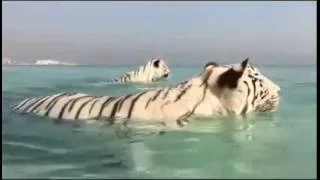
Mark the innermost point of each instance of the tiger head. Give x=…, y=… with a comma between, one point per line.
x=160, y=69
x=241, y=88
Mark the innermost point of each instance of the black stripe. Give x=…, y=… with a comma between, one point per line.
x=72, y=101
x=53, y=102
x=38, y=105
x=133, y=103
x=24, y=103
x=125, y=79
x=245, y=108
x=255, y=97
x=156, y=95
x=166, y=93
x=254, y=91
x=250, y=76
x=81, y=107
x=113, y=111
x=92, y=105
x=153, y=98
x=129, y=77
x=105, y=104
x=54, y=99
x=179, y=122
x=251, y=67
x=264, y=95
x=26, y=100
x=33, y=103
x=122, y=101
x=147, y=104
x=206, y=78
x=63, y=108
x=183, y=118
x=182, y=93
x=75, y=100
x=245, y=82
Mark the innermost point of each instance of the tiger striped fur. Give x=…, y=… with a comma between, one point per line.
x=153, y=70
x=217, y=91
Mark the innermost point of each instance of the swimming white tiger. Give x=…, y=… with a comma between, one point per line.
x=218, y=91
x=154, y=70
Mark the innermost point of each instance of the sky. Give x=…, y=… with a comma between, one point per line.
x=180, y=32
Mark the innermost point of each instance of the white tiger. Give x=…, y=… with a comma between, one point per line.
x=154, y=70
x=217, y=91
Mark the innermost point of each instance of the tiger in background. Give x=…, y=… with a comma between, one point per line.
x=218, y=91
x=154, y=70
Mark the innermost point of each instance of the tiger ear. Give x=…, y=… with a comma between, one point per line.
x=244, y=63
x=209, y=64
x=156, y=63
x=242, y=66
x=230, y=77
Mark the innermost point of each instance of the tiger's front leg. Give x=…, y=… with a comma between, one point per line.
x=175, y=113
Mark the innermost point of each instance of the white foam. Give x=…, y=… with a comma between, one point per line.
x=52, y=150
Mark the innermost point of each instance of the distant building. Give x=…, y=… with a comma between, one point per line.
x=46, y=62
x=51, y=62
x=6, y=61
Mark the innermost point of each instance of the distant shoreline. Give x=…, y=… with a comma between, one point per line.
x=134, y=65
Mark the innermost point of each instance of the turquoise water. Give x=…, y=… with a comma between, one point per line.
x=279, y=145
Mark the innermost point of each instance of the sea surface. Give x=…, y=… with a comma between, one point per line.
x=272, y=145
